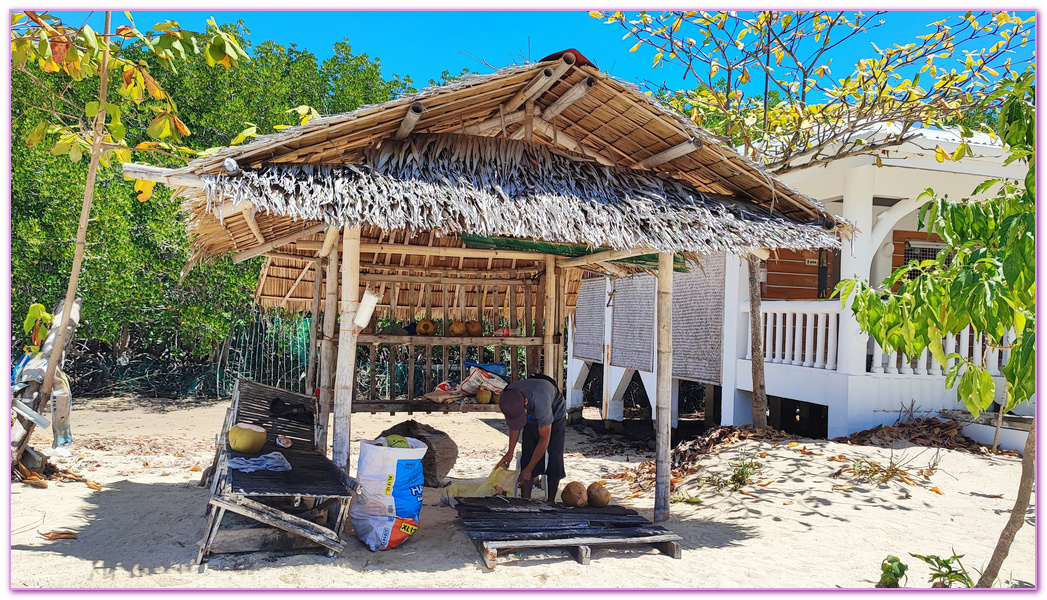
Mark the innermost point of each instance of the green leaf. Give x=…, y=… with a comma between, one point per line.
x=91, y=109
x=89, y=37
x=37, y=135
x=75, y=153
x=43, y=47
x=935, y=346
x=118, y=131
x=16, y=18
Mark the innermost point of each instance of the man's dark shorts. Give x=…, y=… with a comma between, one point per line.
x=554, y=469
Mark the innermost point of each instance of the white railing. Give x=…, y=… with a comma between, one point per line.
x=967, y=343
x=798, y=332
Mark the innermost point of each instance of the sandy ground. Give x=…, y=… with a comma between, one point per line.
x=801, y=530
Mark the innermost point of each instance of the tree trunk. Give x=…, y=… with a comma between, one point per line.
x=756, y=325
x=85, y=209
x=1021, y=506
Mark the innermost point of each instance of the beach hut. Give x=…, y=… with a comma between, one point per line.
x=485, y=199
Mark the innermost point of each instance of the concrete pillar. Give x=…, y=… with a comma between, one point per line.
x=856, y=261
x=736, y=406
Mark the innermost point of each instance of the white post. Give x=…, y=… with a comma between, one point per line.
x=977, y=356
x=347, y=334
x=819, y=341
x=808, y=348
x=921, y=362
x=798, y=339
x=663, y=458
x=789, y=335
x=768, y=329
x=736, y=328
x=830, y=358
x=877, y=366
x=749, y=336
x=892, y=363
x=856, y=261
x=779, y=340
x=950, y=347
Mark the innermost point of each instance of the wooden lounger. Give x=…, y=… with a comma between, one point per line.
x=314, y=483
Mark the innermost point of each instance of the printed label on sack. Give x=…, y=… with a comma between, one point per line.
x=389, y=484
x=408, y=528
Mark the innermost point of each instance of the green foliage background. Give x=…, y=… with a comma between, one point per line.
x=136, y=250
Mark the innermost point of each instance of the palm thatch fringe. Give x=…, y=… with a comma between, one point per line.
x=498, y=187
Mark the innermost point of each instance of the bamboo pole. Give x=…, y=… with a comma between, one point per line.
x=561, y=314
x=281, y=241
x=327, y=366
x=85, y=213
x=549, y=316
x=514, y=322
x=394, y=299
x=428, y=280
x=529, y=121
x=598, y=257
x=310, y=371
x=410, y=120
x=530, y=354
x=439, y=251
x=671, y=154
x=663, y=403
x=347, y=334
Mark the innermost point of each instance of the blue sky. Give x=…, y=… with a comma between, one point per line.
x=421, y=44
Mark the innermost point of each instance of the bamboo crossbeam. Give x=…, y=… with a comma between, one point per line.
x=161, y=175
x=542, y=82
x=330, y=239
x=410, y=120
x=668, y=155
x=295, y=285
x=489, y=125
x=446, y=251
x=288, y=256
x=441, y=280
x=281, y=241
x=439, y=340
x=599, y=257
x=570, y=142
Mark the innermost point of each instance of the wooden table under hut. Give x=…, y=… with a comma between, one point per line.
x=479, y=205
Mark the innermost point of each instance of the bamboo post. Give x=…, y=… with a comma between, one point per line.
x=460, y=301
x=549, y=317
x=663, y=403
x=394, y=292
x=347, y=335
x=445, y=354
x=481, y=291
x=530, y=362
x=514, y=322
x=310, y=371
x=327, y=366
x=561, y=314
x=426, y=380
x=410, y=345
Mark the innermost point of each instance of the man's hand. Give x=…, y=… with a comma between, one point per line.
x=507, y=460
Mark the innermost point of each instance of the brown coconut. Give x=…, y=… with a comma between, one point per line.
x=457, y=328
x=598, y=495
x=473, y=329
x=574, y=494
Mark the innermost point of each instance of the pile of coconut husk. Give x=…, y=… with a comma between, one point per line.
x=927, y=431
x=687, y=455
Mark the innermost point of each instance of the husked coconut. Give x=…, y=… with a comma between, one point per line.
x=598, y=495
x=474, y=328
x=574, y=494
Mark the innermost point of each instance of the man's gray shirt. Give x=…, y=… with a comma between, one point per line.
x=545, y=403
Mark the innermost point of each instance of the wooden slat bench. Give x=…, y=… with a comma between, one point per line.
x=314, y=482
x=502, y=524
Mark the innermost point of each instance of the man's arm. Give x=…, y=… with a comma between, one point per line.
x=544, y=434
x=507, y=459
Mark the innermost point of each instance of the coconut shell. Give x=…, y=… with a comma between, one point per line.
x=574, y=494
x=598, y=495
x=473, y=328
x=456, y=328
x=426, y=327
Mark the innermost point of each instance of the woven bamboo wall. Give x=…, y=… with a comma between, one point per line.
x=589, y=320
x=632, y=323
x=698, y=321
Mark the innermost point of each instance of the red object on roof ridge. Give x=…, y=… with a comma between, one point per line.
x=581, y=59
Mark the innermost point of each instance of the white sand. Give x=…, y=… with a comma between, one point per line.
x=141, y=530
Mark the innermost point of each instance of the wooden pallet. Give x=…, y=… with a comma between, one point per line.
x=503, y=524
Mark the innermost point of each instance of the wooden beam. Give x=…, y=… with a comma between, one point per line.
x=327, y=366
x=599, y=257
x=613, y=269
x=347, y=335
x=168, y=177
x=568, y=98
x=447, y=340
x=249, y=211
x=446, y=251
x=289, y=256
x=410, y=120
x=542, y=82
x=569, y=142
x=295, y=285
x=664, y=399
x=549, y=367
x=440, y=280
x=490, y=125
x=281, y=241
x=529, y=121
x=329, y=242
x=310, y=371
x=668, y=155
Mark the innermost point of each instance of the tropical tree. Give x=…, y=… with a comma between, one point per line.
x=984, y=278
x=741, y=61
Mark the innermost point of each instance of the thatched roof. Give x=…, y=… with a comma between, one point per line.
x=607, y=167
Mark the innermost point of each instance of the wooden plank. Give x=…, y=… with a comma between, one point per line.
x=421, y=406
x=257, y=539
x=494, y=534
x=548, y=520
x=495, y=546
x=430, y=279
x=670, y=548
x=290, y=523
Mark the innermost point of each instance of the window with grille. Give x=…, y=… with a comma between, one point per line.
x=920, y=251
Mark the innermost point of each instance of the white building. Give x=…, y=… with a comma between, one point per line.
x=818, y=363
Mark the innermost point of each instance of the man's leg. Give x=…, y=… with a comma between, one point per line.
x=554, y=485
